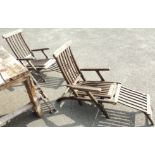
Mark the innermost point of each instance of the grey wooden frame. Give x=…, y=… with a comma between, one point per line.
x=24, y=54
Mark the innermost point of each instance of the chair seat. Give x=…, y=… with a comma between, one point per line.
x=109, y=89
x=42, y=63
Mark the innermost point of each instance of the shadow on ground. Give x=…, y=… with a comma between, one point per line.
x=52, y=82
x=71, y=114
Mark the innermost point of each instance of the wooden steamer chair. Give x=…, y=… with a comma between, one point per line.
x=98, y=92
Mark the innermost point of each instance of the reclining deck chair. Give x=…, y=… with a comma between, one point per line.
x=99, y=92
x=27, y=57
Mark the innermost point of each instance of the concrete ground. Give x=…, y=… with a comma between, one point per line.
x=130, y=53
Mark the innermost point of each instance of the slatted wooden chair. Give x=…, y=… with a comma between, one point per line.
x=78, y=88
x=27, y=57
x=99, y=92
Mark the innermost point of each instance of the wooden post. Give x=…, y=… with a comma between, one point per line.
x=33, y=96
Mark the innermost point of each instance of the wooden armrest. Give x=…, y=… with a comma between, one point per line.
x=85, y=88
x=95, y=69
x=25, y=59
x=40, y=49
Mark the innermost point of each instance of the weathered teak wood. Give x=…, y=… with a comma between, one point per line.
x=27, y=57
x=136, y=100
x=11, y=73
x=10, y=68
x=98, y=92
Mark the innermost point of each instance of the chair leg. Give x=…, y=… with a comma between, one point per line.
x=101, y=107
x=80, y=102
x=105, y=113
x=98, y=104
x=149, y=118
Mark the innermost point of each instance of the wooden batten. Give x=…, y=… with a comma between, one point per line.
x=117, y=93
x=149, y=111
x=62, y=48
x=5, y=36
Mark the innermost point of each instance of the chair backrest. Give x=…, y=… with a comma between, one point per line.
x=67, y=63
x=17, y=43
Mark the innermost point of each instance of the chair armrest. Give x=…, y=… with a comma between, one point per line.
x=26, y=59
x=39, y=49
x=95, y=69
x=85, y=88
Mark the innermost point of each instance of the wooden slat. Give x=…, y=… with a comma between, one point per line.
x=131, y=106
x=141, y=101
x=86, y=88
x=106, y=100
x=18, y=45
x=149, y=110
x=12, y=33
x=101, y=84
x=63, y=70
x=25, y=44
x=111, y=89
x=15, y=47
x=12, y=48
x=117, y=93
x=74, y=73
x=21, y=44
x=62, y=48
x=67, y=72
x=76, y=66
x=141, y=98
x=94, y=69
x=96, y=94
x=107, y=87
x=138, y=106
x=68, y=65
x=11, y=44
x=76, y=69
x=133, y=92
